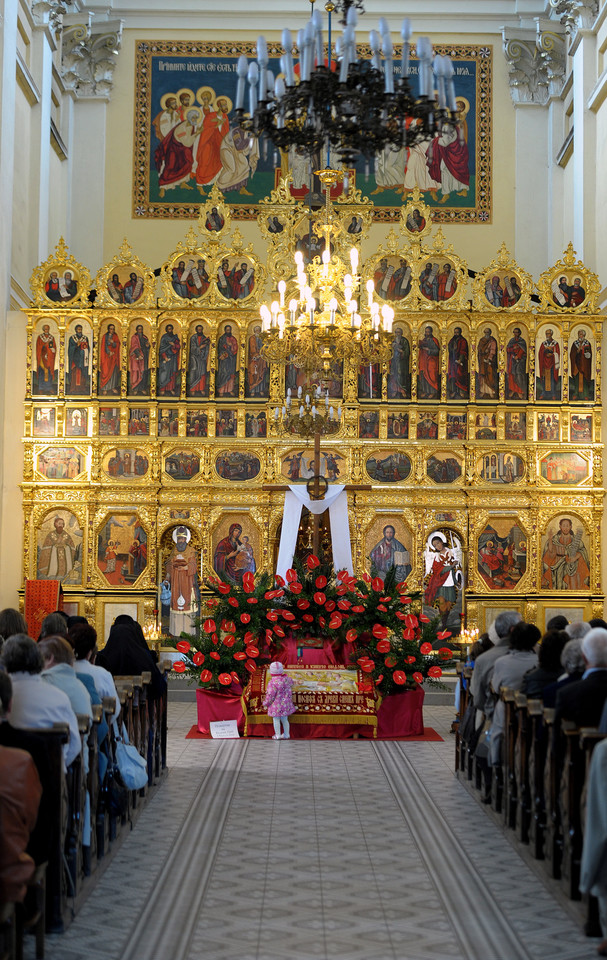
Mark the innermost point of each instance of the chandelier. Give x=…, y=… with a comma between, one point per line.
x=345, y=104
x=307, y=415
x=320, y=322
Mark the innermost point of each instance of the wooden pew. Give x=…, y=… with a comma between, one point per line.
x=521, y=766
x=102, y=819
x=510, y=786
x=76, y=791
x=463, y=699
x=553, y=835
x=571, y=788
x=8, y=931
x=165, y=667
x=537, y=761
x=589, y=737
x=89, y=853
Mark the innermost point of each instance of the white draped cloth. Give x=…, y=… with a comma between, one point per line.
x=336, y=502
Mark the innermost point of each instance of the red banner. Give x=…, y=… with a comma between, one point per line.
x=41, y=598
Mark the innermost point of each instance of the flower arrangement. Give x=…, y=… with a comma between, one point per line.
x=369, y=622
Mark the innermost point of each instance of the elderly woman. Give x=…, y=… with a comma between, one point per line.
x=548, y=669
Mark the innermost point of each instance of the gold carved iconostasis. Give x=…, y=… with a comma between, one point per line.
x=154, y=456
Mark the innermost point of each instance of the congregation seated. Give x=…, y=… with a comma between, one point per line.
x=499, y=634
x=548, y=669
x=509, y=671
x=54, y=625
x=37, y=704
x=582, y=702
x=11, y=623
x=20, y=793
x=58, y=659
x=127, y=654
x=593, y=871
x=573, y=665
x=83, y=638
x=598, y=622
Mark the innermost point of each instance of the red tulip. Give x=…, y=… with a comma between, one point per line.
x=245, y=617
x=206, y=676
x=435, y=672
x=418, y=677
x=224, y=588
x=209, y=626
x=383, y=646
x=399, y=677
x=225, y=679
x=183, y=646
x=179, y=666
x=248, y=583
x=296, y=587
x=312, y=562
x=425, y=648
x=240, y=655
x=198, y=658
x=252, y=651
x=214, y=655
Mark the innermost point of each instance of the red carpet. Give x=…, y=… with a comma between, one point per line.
x=429, y=736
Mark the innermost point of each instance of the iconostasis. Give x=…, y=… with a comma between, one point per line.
x=153, y=457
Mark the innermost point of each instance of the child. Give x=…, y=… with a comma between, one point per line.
x=278, y=700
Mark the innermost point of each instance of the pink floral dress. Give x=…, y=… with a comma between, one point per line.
x=278, y=700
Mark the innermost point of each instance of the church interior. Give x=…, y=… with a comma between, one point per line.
x=164, y=387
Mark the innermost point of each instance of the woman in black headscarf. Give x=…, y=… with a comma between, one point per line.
x=126, y=653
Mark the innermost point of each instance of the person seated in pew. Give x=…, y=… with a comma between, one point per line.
x=86, y=679
x=548, y=668
x=127, y=654
x=20, y=793
x=573, y=664
x=598, y=622
x=54, y=625
x=36, y=703
x=577, y=629
x=58, y=658
x=582, y=702
x=499, y=634
x=593, y=868
x=84, y=640
x=11, y=622
x=559, y=622
x=509, y=672
x=43, y=834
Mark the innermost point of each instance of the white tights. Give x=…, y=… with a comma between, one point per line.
x=285, y=727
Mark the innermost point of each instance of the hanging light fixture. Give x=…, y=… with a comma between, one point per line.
x=345, y=105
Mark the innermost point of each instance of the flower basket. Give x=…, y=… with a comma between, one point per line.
x=401, y=714
x=213, y=705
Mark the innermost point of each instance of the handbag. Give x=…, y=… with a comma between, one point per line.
x=133, y=767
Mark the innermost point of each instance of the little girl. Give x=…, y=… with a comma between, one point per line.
x=278, y=700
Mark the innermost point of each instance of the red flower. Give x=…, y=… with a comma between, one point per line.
x=358, y=609
x=269, y=636
x=381, y=607
x=308, y=618
x=252, y=651
x=251, y=666
x=296, y=587
x=411, y=620
x=319, y=598
x=321, y=581
x=425, y=648
x=399, y=677
x=252, y=600
x=179, y=666
x=410, y=659
x=330, y=605
x=368, y=666
x=401, y=615
x=408, y=634
x=272, y=615
x=224, y=588
x=233, y=601
x=213, y=602
x=322, y=622
x=214, y=638
x=408, y=600
x=365, y=687
x=225, y=679
x=366, y=578
x=240, y=655
x=248, y=583
x=383, y=646
x=198, y=658
x=279, y=580
x=443, y=634
x=423, y=618
x=385, y=599
x=229, y=641
x=379, y=679
x=303, y=604
x=390, y=662
x=379, y=631
x=209, y=626
x=235, y=677
x=287, y=615
x=206, y=675
x=445, y=653
x=279, y=632
x=335, y=622
x=214, y=655
x=291, y=575
x=312, y=562
x=435, y=671
x=377, y=584
x=341, y=590
x=351, y=636
x=183, y=646
x=248, y=637
x=228, y=626
x=418, y=677
x=344, y=604
x=245, y=617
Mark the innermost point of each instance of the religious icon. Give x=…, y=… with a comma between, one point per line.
x=257, y=372
x=502, y=467
x=169, y=362
x=44, y=374
x=399, y=369
x=168, y=422
x=44, y=422
x=256, y=424
x=125, y=464
x=502, y=553
x=390, y=553
x=548, y=367
x=567, y=290
x=226, y=376
x=61, y=287
x=580, y=428
x=196, y=423
x=516, y=425
x=565, y=556
x=581, y=380
x=60, y=463
x=486, y=426
x=444, y=468
x=398, y=425
x=368, y=424
x=122, y=549
x=109, y=421
x=139, y=422
x=274, y=225
x=298, y=465
x=517, y=383
x=197, y=382
x=235, y=278
x=392, y=278
x=109, y=362
x=502, y=289
x=78, y=363
x=76, y=421
x=369, y=381
x=566, y=468
x=182, y=465
x=428, y=378
x=125, y=285
x=226, y=423
x=458, y=379
x=444, y=579
x=189, y=277
x=427, y=425
x=438, y=281
x=415, y=222
x=487, y=378
x=59, y=548
x=181, y=576
x=214, y=220
x=548, y=426
x=139, y=361
x=391, y=469
x=456, y=426
x=234, y=555
x=235, y=465
x=355, y=226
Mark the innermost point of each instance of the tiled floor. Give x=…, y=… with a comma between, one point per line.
x=350, y=850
